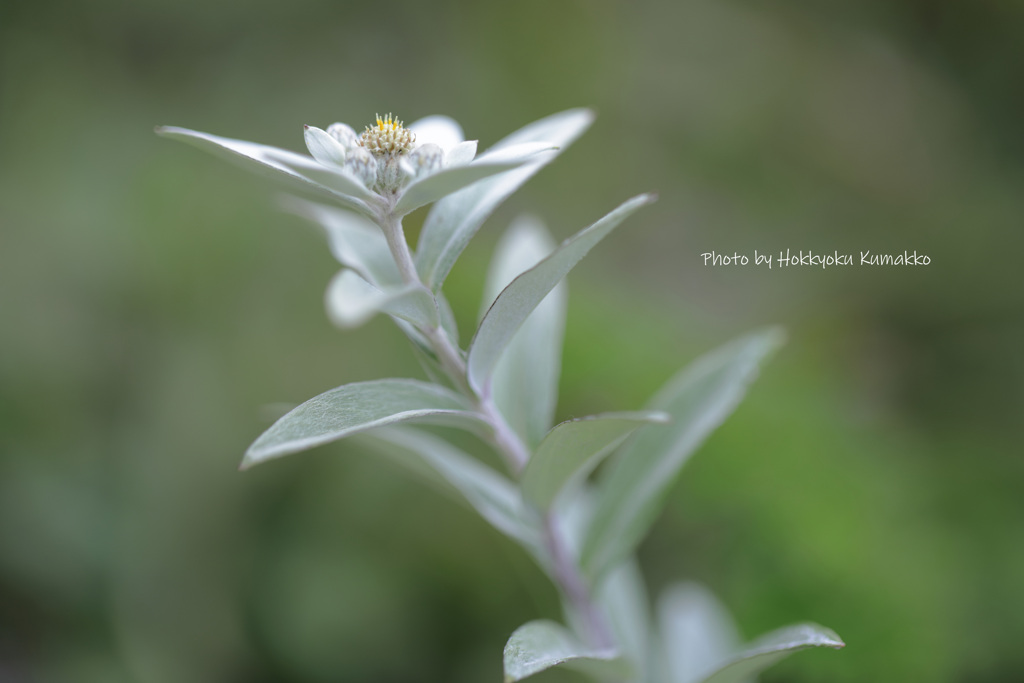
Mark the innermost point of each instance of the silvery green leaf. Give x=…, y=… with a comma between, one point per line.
x=324, y=147
x=461, y=153
x=355, y=242
x=297, y=170
x=430, y=188
x=572, y=449
x=525, y=380
x=443, y=131
x=448, y=322
x=454, y=220
x=354, y=408
x=697, y=632
x=623, y=598
x=633, y=489
x=514, y=154
x=522, y=296
x=351, y=301
x=769, y=649
x=424, y=353
x=541, y=644
x=559, y=129
x=488, y=492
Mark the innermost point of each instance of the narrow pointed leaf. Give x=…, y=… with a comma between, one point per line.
x=518, y=300
x=559, y=129
x=572, y=449
x=451, y=179
x=525, y=380
x=492, y=495
x=540, y=645
x=632, y=491
x=454, y=220
x=769, y=649
x=351, y=301
x=298, y=171
x=698, y=635
x=354, y=408
x=355, y=242
x=514, y=154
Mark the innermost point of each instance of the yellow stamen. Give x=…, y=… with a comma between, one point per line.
x=388, y=137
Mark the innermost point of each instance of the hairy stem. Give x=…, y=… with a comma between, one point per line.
x=393, y=233
x=569, y=579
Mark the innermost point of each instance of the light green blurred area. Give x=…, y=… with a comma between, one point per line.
x=155, y=306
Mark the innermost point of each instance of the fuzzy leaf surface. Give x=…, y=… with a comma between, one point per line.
x=521, y=297
x=769, y=649
x=572, y=449
x=454, y=220
x=454, y=178
x=351, y=301
x=525, y=380
x=355, y=241
x=540, y=645
x=633, y=490
x=354, y=408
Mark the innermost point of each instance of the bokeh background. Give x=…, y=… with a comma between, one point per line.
x=155, y=305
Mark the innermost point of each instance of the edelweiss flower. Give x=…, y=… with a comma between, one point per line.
x=388, y=155
x=389, y=169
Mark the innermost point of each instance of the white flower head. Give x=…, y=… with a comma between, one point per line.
x=389, y=169
x=389, y=138
x=388, y=155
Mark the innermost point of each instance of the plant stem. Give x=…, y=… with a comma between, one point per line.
x=393, y=233
x=569, y=578
x=565, y=570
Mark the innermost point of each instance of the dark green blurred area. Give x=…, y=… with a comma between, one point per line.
x=155, y=305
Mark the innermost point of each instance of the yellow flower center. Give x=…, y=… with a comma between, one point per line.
x=387, y=137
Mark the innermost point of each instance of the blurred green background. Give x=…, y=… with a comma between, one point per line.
x=154, y=303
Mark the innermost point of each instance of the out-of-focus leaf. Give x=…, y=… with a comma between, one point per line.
x=572, y=449
x=522, y=296
x=524, y=385
x=448, y=322
x=488, y=492
x=632, y=491
x=697, y=633
x=448, y=180
x=454, y=220
x=461, y=153
x=351, y=301
x=770, y=649
x=623, y=598
x=355, y=242
x=298, y=171
x=353, y=408
x=443, y=131
x=539, y=645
